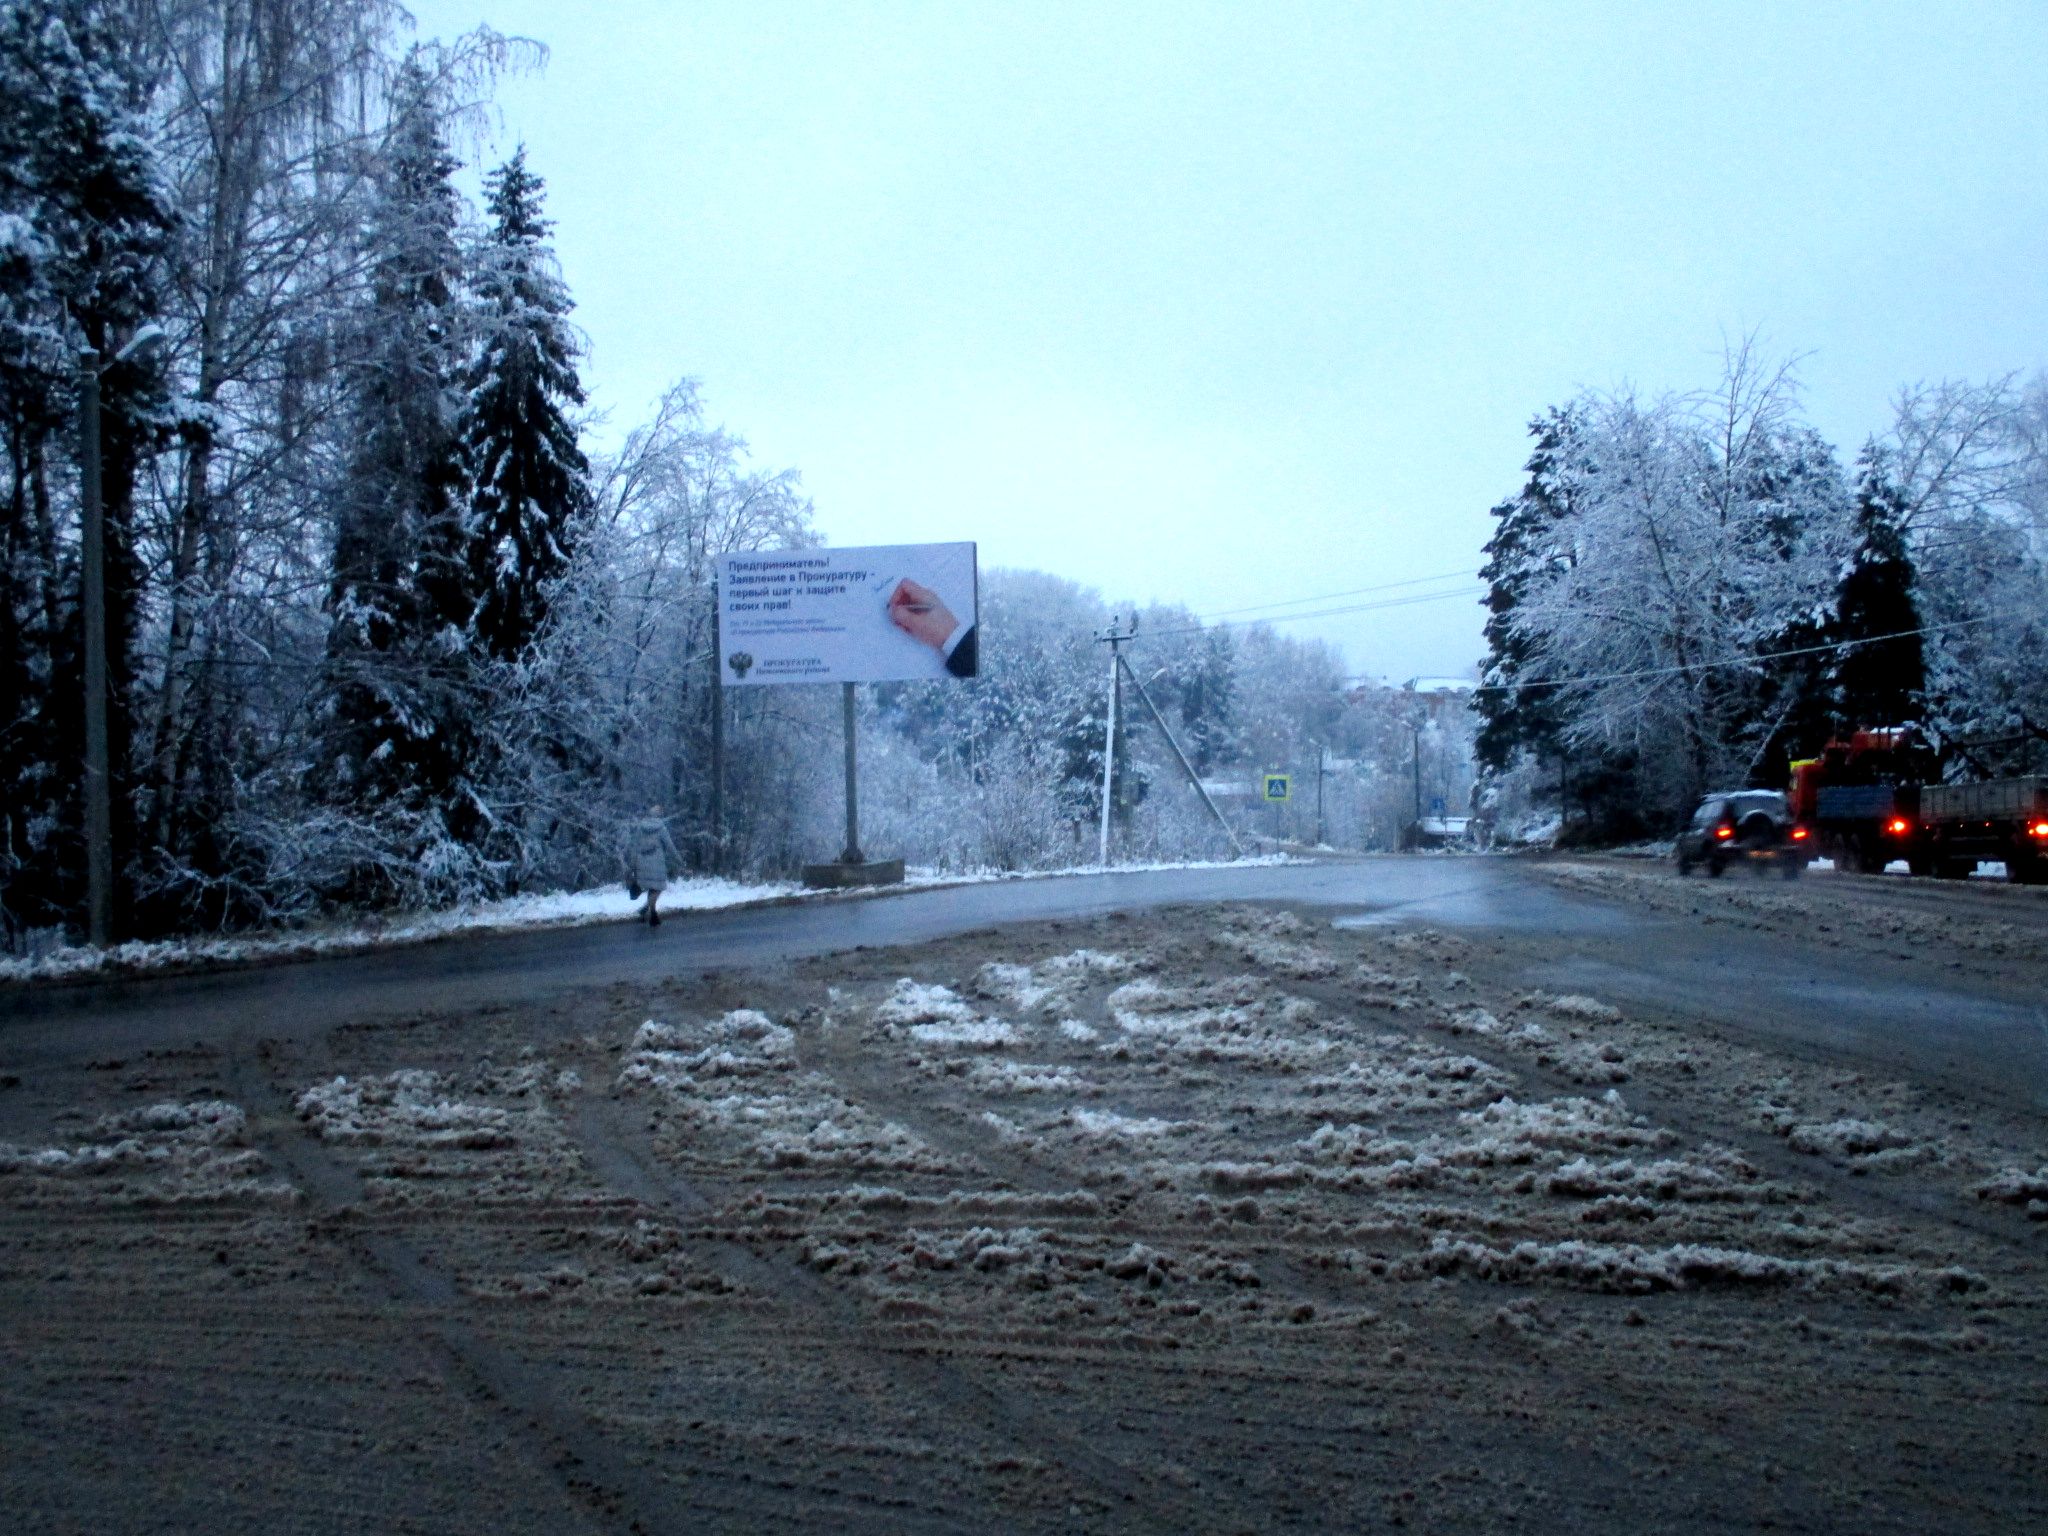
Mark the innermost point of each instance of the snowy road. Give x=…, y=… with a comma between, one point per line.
x=1464, y=1195
x=1633, y=930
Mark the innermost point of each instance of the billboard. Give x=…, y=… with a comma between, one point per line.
x=884, y=614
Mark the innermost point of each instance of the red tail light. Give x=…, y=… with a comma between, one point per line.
x=1898, y=826
x=1799, y=834
x=1724, y=832
x=2039, y=829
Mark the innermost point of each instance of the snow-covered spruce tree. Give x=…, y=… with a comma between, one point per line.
x=1877, y=681
x=526, y=478
x=1517, y=711
x=1520, y=719
x=84, y=221
x=1793, y=693
x=398, y=743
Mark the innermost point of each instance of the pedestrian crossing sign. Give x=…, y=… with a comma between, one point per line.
x=1276, y=786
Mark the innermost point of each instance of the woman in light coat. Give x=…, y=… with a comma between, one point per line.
x=651, y=858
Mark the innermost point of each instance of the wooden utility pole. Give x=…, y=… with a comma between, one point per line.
x=1417, y=729
x=99, y=805
x=1114, y=638
x=1319, y=794
x=92, y=559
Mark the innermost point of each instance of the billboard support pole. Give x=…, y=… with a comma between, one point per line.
x=852, y=853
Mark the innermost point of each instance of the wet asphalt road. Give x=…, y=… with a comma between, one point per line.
x=1949, y=1027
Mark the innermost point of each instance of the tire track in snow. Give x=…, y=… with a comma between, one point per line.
x=1290, y=1272
x=1289, y=1276
x=1857, y=1192
x=617, y=1494
x=620, y=1155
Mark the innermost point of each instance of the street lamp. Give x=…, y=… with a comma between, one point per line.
x=99, y=807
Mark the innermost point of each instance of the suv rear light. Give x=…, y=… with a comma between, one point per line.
x=1799, y=834
x=2039, y=829
x=1898, y=826
x=1724, y=832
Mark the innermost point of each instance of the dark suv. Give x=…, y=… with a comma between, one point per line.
x=1742, y=824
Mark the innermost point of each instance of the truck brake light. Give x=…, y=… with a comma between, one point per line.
x=2039, y=829
x=1898, y=826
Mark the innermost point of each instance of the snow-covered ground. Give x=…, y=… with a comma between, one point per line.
x=1660, y=848
x=549, y=909
x=1164, y=1215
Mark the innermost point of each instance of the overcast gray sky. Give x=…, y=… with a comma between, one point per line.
x=1231, y=305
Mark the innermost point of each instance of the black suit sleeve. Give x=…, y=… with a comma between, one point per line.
x=964, y=660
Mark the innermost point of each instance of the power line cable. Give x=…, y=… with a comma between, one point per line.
x=1722, y=664
x=1326, y=597
x=1321, y=613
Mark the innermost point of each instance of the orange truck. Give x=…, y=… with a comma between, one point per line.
x=1877, y=795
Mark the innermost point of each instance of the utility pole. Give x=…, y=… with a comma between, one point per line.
x=1319, y=794
x=92, y=559
x=1114, y=638
x=99, y=807
x=1415, y=726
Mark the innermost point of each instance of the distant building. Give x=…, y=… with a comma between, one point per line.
x=1440, y=685
x=1439, y=832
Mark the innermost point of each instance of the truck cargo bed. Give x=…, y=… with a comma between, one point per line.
x=2000, y=800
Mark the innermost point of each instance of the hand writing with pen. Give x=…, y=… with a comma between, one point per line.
x=917, y=611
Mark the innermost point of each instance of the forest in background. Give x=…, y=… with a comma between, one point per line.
x=1690, y=591
x=385, y=634
x=381, y=634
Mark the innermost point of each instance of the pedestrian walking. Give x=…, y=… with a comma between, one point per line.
x=651, y=860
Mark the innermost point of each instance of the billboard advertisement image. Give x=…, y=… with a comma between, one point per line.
x=884, y=614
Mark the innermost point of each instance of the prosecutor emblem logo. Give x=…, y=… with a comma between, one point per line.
x=740, y=662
